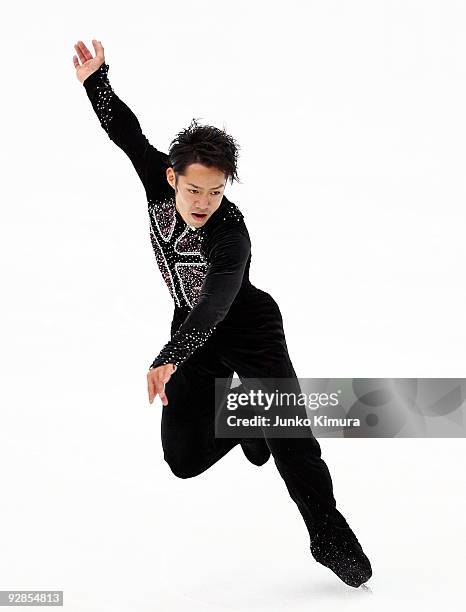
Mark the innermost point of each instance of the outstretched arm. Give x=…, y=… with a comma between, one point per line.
x=229, y=256
x=117, y=119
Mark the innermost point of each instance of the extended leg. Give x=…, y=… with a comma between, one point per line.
x=309, y=484
x=298, y=460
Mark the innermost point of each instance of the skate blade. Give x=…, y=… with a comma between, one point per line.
x=366, y=587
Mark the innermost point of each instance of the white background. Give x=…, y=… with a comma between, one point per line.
x=351, y=121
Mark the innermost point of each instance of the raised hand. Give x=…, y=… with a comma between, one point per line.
x=88, y=63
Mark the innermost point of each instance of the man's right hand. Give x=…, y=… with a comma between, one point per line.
x=88, y=64
x=156, y=379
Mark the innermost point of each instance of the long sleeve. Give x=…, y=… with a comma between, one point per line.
x=123, y=128
x=228, y=256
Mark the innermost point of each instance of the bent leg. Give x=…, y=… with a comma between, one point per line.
x=187, y=426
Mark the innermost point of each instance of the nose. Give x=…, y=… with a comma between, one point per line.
x=203, y=204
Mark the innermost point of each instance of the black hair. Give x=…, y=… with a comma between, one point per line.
x=207, y=145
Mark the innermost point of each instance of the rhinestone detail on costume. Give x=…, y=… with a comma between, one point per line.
x=178, y=252
x=104, y=97
x=183, y=343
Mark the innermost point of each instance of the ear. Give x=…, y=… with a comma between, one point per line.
x=171, y=177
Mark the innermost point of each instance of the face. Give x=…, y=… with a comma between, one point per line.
x=198, y=193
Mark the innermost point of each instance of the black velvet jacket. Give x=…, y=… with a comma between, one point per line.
x=206, y=269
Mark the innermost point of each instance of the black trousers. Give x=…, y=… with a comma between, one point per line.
x=251, y=342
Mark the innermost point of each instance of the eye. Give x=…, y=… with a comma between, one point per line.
x=216, y=193
x=193, y=190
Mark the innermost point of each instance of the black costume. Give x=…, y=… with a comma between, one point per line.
x=221, y=324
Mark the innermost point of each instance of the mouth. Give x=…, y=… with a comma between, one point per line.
x=199, y=216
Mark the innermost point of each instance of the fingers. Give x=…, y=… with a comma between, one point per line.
x=156, y=386
x=156, y=380
x=75, y=61
x=161, y=391
x=87, y=54
x=98, y=48
x=80, y=53
x=150, y=388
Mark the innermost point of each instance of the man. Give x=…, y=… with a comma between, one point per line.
x=222, y=324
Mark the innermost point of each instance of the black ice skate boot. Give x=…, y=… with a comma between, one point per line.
x=256, y=450
x=339, y=549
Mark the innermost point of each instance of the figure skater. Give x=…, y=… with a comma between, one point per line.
x=221, y=323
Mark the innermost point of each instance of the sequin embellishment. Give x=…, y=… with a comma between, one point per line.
x=104, y=97
x=177, y=251
x=181, y=346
